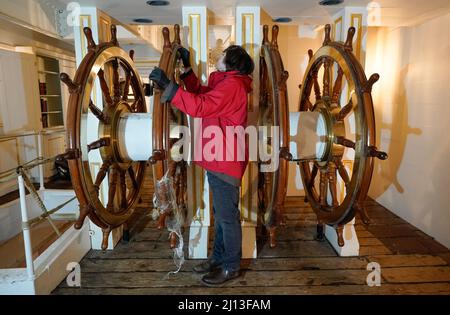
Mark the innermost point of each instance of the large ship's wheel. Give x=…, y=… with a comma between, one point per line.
x=94, y=134
x=273, y=111
x=165, y=116
x=347, y=111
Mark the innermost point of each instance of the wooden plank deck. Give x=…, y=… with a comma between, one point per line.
x=411, y=262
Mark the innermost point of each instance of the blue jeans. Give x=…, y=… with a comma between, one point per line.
x=227, y=223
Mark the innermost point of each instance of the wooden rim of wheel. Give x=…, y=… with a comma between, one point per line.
x=337, y=59
x=274, y=111
x=163, y=116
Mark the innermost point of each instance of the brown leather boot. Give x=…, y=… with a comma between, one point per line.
x=219, y=276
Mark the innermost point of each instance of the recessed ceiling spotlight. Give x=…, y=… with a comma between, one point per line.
x=158, y=3
x=143, y=21
x=283, y=20
x=330, y=2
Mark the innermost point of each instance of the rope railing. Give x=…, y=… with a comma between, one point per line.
x=11, y=173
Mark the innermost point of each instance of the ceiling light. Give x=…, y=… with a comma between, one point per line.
x=283, y=20
x=158, y=3
x=143, y=21
x=330, y=2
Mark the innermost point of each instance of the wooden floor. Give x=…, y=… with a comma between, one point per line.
x=411, y=262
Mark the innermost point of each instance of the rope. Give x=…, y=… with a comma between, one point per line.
x=164, y=200
x=50, y=212
x=13, y=171
x=29, y=166
x=38, y=199
x=26, y=166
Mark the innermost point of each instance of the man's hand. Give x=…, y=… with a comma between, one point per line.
x=160, y=78
x=185, y=56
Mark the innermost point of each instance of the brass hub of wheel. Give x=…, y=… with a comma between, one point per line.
x=335, y=128
x=110, y=130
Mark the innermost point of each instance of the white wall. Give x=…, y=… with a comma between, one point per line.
x=413, y=118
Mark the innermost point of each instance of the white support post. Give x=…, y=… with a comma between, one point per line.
x=248, y=35
x=195, y=20
x=26, y=229
x=41, y=166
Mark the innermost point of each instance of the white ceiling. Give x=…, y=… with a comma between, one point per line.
x=393, y=12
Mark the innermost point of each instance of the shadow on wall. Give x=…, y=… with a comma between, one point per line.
x=386, y=172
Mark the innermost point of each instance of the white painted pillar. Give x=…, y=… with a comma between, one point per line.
x=195, y=25
x=100, y=25
x=342, y=21
x=26, y=230
x=248, y=35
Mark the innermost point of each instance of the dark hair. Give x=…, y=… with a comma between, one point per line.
x=236, y=58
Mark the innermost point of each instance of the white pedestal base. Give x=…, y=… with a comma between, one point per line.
x=351, y=246
x=198, y=242
x=50, y=266
x=249, y=249
x=199, y=238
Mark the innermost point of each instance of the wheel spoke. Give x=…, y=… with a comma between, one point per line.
x=97, y=112
x=323, y=187
x=123, y=190
x=101, y=174
x=313, y=175
x=337, y=86
x=112, y=188
x=132, y=176
x=126, y=89
x=316, y=85
x=345, y=111
x=309, y=105
x=343, y=173
x=326, y=77
x=116, y=83
x=97, y=144
x=134, y=106
x=104, y=87
x=345, y=142
x=332, y=176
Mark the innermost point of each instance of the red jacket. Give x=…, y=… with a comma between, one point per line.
x=222, y=103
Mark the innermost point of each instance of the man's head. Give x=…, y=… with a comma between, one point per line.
x=236, y=58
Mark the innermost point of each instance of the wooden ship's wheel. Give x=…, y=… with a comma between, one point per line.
x=274, y=111
x=334, y=130
x=164, y=116
x=124, y=137
x=347, y=110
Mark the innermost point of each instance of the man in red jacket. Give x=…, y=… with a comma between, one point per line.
x=222, y=104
